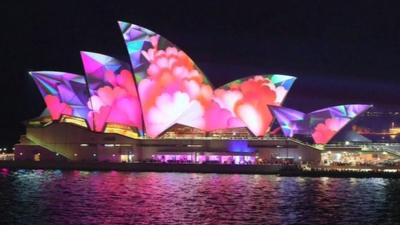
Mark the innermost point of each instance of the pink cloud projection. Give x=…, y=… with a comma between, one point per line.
x=162, y=69
x=171, y=72
x=242, y=103
x=322, y=125
x=170, y=107
x=163, y=87
x=63, y=93
x=325, y=131
x=113, y=105
x=113, y=94
x=56, y=107
x=172, y=86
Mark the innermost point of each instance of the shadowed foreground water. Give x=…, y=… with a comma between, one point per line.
x=76, y=197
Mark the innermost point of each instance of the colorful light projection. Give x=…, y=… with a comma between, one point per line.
x=170, y=89
x=113, y=94
x=240, y=103
x=169, y=83
x=246, y=99
x=173, y=89
x=321, y=124
x=114, y=99
x=63, y=93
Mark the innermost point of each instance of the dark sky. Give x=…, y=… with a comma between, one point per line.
x=341, y=51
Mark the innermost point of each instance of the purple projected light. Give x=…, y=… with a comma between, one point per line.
x=321, y=124
x=290, y=120
x=113, y=94
x=63, y=93
x=173, y=90
x=169, y=82
x=162, y=87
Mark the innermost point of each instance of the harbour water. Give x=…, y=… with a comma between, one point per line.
x=79, y=197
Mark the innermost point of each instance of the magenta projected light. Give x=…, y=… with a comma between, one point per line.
x=246, y=99
x=240, y=103
x=321, y=124
x=113, y=94
x=174, y=90
x=63, y=93
x=162, y=87
x=171, y=87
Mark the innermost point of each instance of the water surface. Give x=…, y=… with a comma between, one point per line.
x=77, y=197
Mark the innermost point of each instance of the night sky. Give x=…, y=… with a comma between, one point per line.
x=341, y=52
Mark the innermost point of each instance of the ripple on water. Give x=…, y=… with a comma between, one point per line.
x=75, y=197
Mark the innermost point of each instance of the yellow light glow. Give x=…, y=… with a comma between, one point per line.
x=394, y=130
x=74, y=120
x=121, y=129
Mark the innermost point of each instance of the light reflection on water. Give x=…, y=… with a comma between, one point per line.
x=78, y=197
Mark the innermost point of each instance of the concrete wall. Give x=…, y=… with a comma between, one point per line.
x=35, y=153
x=80, y=144
x=297, y=154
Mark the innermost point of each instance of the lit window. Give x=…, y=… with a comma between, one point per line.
x=195, y=146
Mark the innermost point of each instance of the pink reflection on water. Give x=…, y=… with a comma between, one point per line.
x=4, y=171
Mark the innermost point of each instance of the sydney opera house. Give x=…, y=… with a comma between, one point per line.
x=161, y=107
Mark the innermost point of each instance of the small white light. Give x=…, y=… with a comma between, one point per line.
x=94, y=155
x=75, y=154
